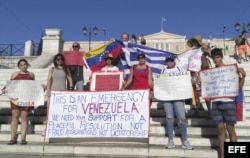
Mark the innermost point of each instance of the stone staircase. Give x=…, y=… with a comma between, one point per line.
x=202, y=133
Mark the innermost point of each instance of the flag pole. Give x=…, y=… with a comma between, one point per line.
x=162, y=20
x=161, y=24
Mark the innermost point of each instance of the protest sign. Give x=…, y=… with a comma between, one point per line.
x=220, y=82
x=190, y=60
x=106, y=81
x=173, y=86
x=25, y=93
x=98, y=114
x=73, y=58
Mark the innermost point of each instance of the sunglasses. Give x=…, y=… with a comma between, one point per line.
x=75, y=46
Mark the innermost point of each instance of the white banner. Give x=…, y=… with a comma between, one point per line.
x=173, y=86
x=220, y=82
x=98, y=114
x=25, y=92
x=190, y=60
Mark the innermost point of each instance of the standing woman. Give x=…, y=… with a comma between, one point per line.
x=141, y=76
x=58, y=75
x=18, y=111
x=175, y=108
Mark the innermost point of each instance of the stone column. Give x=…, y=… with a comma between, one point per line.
x=28, y=50
x=52, y=42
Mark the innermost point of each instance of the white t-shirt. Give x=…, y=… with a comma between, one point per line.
x=175, y=69
x=108, y=68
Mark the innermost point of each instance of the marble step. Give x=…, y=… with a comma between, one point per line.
x=131, y=151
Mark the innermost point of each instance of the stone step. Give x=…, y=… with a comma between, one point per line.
x=112, y=150
x=198, y=131
x=35, y=138
x=194, y=140
x=159, y=105
x=197, y=122
x=154, y=130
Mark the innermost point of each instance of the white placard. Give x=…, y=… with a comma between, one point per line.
x=98, y=114
x=25, y=92
x=173, y=86
x=190, y=60
x=220, y=82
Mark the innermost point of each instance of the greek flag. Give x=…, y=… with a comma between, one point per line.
x=154, y=58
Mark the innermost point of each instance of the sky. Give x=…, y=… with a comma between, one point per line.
x=23, y=20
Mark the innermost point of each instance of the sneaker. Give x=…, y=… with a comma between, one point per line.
x=186, y=145
x=170, y=144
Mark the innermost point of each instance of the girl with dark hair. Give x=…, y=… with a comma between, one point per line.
x=58, y=75
x=20, y=111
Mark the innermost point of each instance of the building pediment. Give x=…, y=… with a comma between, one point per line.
x=163, y=35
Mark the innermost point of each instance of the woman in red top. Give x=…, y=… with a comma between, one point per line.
x=18, y=111
x=141, y=76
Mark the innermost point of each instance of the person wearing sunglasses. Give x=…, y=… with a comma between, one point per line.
x=76, y=71
x=58, y=75
x=175, y=107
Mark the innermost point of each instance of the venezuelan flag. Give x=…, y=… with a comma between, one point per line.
x=240, y=107
x=96, y=58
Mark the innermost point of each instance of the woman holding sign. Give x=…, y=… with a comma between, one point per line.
x=175, y=107
x=20, y=111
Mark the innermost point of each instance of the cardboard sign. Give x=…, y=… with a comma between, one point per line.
x=173, y=86
x=189, y=60
x=98, y=114
x=106, y=81
x=73, y=58
x=25, y=92
x=220, y=82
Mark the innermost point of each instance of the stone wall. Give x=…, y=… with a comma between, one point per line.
x=11, y=61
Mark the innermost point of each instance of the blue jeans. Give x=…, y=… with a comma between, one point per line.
x=175, y=107
x=79, y=85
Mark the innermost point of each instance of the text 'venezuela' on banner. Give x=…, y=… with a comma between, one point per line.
x=123, y=114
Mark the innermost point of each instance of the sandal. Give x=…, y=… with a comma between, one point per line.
x=12, y=142
x=23, y=142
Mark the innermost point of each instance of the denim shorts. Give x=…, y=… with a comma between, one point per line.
x=224, y=112
x=174, y=108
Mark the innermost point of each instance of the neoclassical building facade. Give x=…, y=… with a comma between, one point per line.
x=164, y=41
